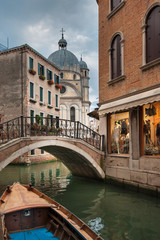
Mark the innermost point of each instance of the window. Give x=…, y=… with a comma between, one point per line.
x=74, y=76
x=153, y=34
x=49, y=98
x=50, y=121
x=49, y=75
x=62, y=90
x=151, y=129
x=116, y=57
x=119, y=133
x=41, y=94
x=33, y=152
x=114, y=4
x=31, y=90
x=42, y=117
x=56, y=100
x=61, y=75
x=41, y=69
x=72, y=114
x=30, y=63
x=56, y=79
x=42, y=151
x=32, y=116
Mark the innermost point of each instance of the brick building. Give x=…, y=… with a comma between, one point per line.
x=28, y=87
x=129, y=89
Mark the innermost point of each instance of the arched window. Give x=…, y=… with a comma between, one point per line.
x=115, y=3
x=153, y=34
x=72, y=114
x=116, y=70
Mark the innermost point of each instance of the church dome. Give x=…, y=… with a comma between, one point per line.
x=64, y=59
x=83, y=64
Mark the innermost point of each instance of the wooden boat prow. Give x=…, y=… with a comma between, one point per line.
x=24, y=208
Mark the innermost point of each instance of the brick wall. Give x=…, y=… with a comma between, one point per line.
x=129, y=21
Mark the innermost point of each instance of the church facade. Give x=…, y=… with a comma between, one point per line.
x=74, y=79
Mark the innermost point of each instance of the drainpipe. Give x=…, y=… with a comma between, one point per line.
x=22, y=84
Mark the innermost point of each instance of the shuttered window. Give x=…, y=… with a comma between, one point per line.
x=153, y=34
x=115, y=3
x=30, y=63
x=49, y=97
x=32, y=117
x=41, y=69
x=116, y=57
x=31, y=90
x=41, y=94
x=56, y=100
x=49, y=75
x=56, y=79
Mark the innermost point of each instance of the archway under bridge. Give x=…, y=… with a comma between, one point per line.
x=81, y=159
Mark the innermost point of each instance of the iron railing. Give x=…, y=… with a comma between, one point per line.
x=33, y=126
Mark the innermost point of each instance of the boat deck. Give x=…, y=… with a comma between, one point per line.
x=36, y=234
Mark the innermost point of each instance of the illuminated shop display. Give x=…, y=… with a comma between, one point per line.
x=151, y=128
x=120, y=133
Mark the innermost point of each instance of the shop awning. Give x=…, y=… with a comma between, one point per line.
x=130, y=102
x=94, y=114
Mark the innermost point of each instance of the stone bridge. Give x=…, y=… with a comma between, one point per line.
x=73, y=146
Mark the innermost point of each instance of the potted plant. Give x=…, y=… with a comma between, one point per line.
x=42, y=77
x=58, y=86
x=50, y=82
x=32, y=71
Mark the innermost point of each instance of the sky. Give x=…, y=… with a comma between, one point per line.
x=39, y=22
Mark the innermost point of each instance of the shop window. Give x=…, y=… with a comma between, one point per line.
x=153, y=34
x=151, y=129
x=119, y=133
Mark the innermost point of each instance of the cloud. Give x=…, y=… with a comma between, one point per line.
x=38, y=23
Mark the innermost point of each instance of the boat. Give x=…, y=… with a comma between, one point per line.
x=28, y=214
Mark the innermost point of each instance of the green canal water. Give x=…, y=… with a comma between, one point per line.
x=115, y=213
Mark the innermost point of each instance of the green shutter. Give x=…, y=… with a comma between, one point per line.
x=39, y=70
x=51, y=75
x=58, y=79
x=47, y=74
x=56, y=100
x=49, y=97
x=31, y=90
x=43, y=70
x=55, y=78
x=30, y=63
x=41, y=94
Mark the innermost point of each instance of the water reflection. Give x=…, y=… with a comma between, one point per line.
x=114, y=213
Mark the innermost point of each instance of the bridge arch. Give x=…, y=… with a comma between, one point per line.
x=78, y=161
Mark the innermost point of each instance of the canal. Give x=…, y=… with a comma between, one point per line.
x=114, y=213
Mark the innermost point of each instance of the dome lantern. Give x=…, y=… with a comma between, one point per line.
x=62, y=42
